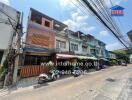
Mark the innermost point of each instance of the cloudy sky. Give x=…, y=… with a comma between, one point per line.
x=77, y=19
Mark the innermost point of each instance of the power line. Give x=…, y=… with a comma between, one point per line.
x=107, y=25
x=7, y=15
x=119, y=35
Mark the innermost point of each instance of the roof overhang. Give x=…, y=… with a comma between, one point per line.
x=65, y=56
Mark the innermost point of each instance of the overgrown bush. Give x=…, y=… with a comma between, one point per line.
x=113, y=62
x=3, y=70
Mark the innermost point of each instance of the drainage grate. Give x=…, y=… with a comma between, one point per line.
x=110, y=80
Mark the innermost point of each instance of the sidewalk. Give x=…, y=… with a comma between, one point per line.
x=25, y=87
x=3, y=92
x=126, y=93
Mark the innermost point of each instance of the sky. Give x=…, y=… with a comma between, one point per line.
x=66, y=12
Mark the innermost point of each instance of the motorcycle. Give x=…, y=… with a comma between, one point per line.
x=76, y=72
x=51, y=76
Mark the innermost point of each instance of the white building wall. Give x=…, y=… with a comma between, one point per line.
x=65, y=40
x=5, y=38
x=6, y=30
x=85, y=52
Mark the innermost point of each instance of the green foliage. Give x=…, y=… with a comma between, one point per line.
x=122, y=54
x=50, y=65
x=4, y=70
x=113, y=62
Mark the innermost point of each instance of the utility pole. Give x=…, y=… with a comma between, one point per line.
x=18, y=43
x=12, y=59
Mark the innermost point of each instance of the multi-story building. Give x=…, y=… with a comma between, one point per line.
x=61, y=38
x=75, y=42
x=40, y=43
x=40, y=39
x=85, y=44
x=45, y=36
x=46, y=39
x=7, y=32
x=96, y=47
x=92, y=42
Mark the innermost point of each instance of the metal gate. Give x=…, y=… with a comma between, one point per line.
x=32, y=70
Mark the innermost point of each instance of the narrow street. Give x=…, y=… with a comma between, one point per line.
x=106, y=84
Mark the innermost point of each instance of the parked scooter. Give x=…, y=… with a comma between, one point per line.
x=76, y=72
x=51, y=76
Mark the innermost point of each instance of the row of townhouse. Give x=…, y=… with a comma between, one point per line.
x=47, y=40
x=50, y=40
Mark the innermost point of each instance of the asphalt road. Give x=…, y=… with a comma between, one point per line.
x=107, y=84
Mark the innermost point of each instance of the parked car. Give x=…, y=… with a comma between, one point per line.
x=51, y=76
x=124, y=63
x=76, y=72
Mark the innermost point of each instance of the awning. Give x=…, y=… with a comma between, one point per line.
x=64, y=56
x=104, y=59
x=37, y=50
x=67, y=56
x=93, y=58
x=86, y=57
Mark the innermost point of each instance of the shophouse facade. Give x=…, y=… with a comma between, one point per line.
x=46, y=41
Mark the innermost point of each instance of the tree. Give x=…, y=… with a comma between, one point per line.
x=122, y=55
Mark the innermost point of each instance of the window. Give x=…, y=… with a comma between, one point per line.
x=36, y=60
x=97, y=51
x=63, y=44
x=60, y=44
x=36, y=18
x=57, y=44
x=47, y=23
x=38, y=21
x=74, y=47
x=84, y=49
x=92, y=51
x=102, y=52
